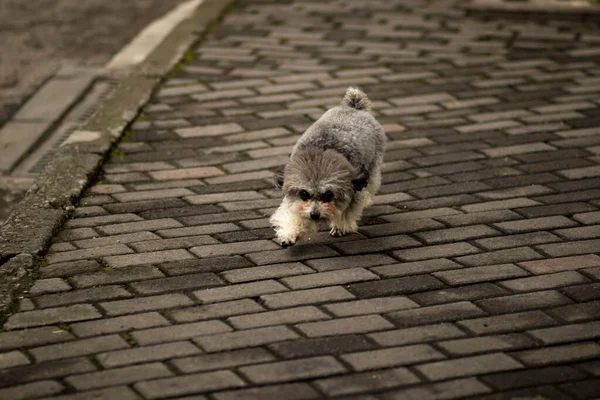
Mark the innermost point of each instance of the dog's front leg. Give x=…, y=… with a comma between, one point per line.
x=289, y=226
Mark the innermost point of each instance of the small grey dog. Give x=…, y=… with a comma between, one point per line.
x=333, y=173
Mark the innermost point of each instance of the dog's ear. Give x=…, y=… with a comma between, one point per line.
x=278, y=178
x=361, y=181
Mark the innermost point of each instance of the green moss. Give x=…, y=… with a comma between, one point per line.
x=65, y=327
x=107, y=268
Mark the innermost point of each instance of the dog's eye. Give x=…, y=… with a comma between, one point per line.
x=327, y=197
x=304, y=195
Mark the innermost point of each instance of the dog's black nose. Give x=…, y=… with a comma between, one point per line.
x=315, y=216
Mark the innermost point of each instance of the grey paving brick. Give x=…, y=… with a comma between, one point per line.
x=266, y=272
x=567, y=333
x=444, y=390
x=415, y=268
x=532, y=224
x=189, y=384
x=342, y=326
x=78, y=348
x=146, y=354
x=434, y=314
x=281, y=317
x=12, y=359
x=522, y=302
x=33, y=337
x=234, y=248
x=148, y=258
x=114, y=239
x=570, y=248
x=367, y=382
x=459, y=293
x=82, y=296
x=508, y=322
x=531, y=238
x=138, y=226
x=500, y=257
x=577, y=312
x=118, y=324
x=584, y=232
x=559, y=354
x=28, y=319
x=486, y=344
x=215, y=310
x=358, y=261
x=179, y=332
x=307, y=251
x=370, y=306
x=207, y=362
x=232, y=292
x=149, y=303
x=32, y=390
x=456, y=234
x=393, y=356
x=46, y=370
x=307, y=296
x=152, y=195
x=291, y=391
x=319, y=346
x=387, y=287
x=553, y=265
x=119, y=376
x=480, y=274
x=96, y=252
x=330, y=278
x=102, y=220
x=542, y=282
x=51, y=285
x=291, y=370
x=500, y=205
x=438, y=251
x=537, y=376
x=245, y=338
x=376, y=244
x=177, y=283
x=110, y=276
x=466, y=366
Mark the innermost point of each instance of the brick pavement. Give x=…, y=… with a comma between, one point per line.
x=475, y=274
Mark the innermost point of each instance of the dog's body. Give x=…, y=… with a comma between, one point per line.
x=333, y=173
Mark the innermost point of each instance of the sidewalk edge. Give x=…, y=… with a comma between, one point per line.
x=29, y=228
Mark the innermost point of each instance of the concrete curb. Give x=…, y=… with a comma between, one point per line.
x=29, y=228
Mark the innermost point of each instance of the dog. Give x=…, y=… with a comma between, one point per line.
x=333, y=173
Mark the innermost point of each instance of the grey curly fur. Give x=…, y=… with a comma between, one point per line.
x=356, y=98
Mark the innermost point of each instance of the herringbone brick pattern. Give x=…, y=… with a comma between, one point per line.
x=475, y=274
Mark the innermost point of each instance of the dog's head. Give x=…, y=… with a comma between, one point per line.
x=319, y=184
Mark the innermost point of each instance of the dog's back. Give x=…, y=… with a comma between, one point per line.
x=350, y=130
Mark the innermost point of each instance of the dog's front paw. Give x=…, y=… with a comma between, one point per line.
x=287, y=243
x=336, y=232
x=287, y=240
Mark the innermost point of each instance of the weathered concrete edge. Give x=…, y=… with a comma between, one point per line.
x=28, y=230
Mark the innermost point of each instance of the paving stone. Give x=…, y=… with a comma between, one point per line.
x=582, y=293
x=111, y=276
x=151, y=225
x=119, y=376
x=466, y=366
x=438, y=251
x=531, y=238
x=245, y=338
x=147, y=258
x=291, y=370
x=508, y=322
x=559, y=354
x=189, y=384
x=370, y=306
x=179, y=332
x=367, y=382
x=297, y=253
x=321, y=346
x=444, y=390
x=358, y=261
x=31, y=390
x=522, y=302
x=567, y=333
x=12, y=359
x=577, y=312
x=570, y=248
x=115, y=239
x=33, y=337
x=242, y=290
x=417, y=267
x=486, y=344
x=393, y=356
x=119, y=324
x=149, y=303
x=177, y=283
x=291, y=391
x=480, y=274
x=338, y=277
x=215, y=310
x=387, y=287
x=78, y=348
x=517, y=254
x=500, y=205
x=456, y=234
x=77, y=312
x=532, y=224
x=207, y=362
x=96, y=252
x=434, y=314
x=82, y=296
x=287, y=316
x=378, y=244
x=542, y=282
x=307, y=296
x=50, y=285
x=147, y=353
x=550, y=266
x=537, y=376
x=344, y=326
